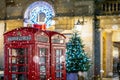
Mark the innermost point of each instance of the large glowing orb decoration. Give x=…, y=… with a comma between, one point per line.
x=39, y=12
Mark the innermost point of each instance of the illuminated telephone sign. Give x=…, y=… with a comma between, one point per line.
x=19, y=38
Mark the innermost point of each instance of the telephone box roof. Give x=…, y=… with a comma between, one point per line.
x=34, y=30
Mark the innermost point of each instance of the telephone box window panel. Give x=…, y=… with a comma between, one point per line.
x=14, y=68
x=42, y=68
x=58, y=67
x=19, y=77
x=58, y=52
x=58, y=39
x=43, y=51
x=42, y=60
x=42, y=77
x=14, y=60
x=42, y=55
x=42, y=38
x=14, y=52
x=58, y=74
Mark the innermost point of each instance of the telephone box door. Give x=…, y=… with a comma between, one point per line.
x=58, y=62
x=44, y=62
x=17, y=58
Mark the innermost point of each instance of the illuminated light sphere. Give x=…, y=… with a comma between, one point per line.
x=37, y=8
x=36, y=59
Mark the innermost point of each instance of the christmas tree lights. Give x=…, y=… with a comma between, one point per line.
x=76, y=59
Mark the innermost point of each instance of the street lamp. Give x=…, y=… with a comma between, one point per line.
x=78, y=25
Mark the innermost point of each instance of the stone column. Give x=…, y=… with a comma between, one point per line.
x=97, y=46
x=97, y=56
x=119, y=53
x=109, y=55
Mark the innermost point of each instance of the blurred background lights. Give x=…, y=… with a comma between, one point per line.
x=115, y=27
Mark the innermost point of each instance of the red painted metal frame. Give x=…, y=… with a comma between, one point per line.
x=26, y=37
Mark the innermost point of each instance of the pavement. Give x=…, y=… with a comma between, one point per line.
x=115, y=78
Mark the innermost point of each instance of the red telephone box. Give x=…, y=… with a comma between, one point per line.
x=33, y=54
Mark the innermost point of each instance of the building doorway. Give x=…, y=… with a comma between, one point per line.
x=116, y=58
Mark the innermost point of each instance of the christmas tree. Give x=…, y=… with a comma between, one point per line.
x=76, y=59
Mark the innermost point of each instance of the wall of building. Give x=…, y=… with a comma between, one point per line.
x=2, y=24
x=12, y=24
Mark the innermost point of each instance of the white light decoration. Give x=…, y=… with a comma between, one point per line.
x=36, y=8
x=36, y=59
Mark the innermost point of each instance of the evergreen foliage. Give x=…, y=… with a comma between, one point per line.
x=76, y=59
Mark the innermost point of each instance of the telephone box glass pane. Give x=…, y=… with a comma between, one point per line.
x=14, y=60
x=57, y=59
x=43, y=51
x=14, y=77
x=58, y=66
x=22, y=69
x=14, y=68
x=42, y=55
x=19, y=77
x=42, y=77
x=14, y=53
x=21, y=51
x=21, y=60
x=42, y=60
x=58, y=74
x=42, y=68
x=58, y=52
